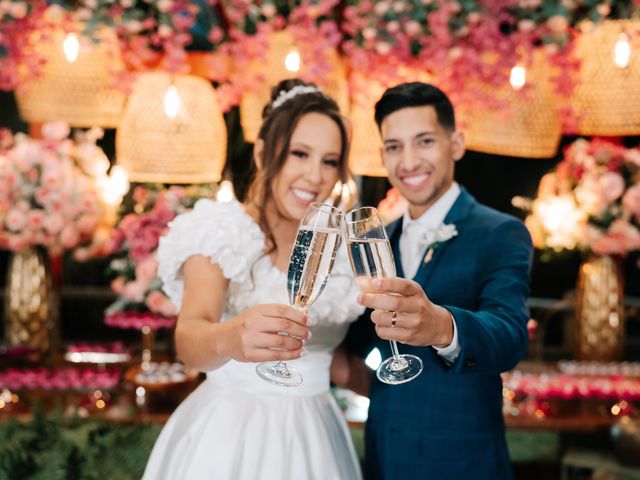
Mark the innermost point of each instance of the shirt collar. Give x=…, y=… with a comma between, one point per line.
x=436, y=214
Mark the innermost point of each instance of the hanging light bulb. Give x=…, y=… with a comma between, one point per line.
x=518, y=77
x=114, y=186
x=171, y=102
x=225, y=193
x=292, y=60
x=622, y=51
x=71, y=47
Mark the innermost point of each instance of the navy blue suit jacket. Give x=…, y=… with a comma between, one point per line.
x=448, y=423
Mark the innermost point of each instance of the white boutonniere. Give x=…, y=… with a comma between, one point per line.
x=434, y=238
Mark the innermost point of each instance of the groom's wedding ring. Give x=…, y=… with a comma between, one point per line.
x=394, y=317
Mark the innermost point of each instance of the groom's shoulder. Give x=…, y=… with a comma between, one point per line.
x=486, y=217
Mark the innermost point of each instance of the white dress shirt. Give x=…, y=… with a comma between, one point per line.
x=412, y=250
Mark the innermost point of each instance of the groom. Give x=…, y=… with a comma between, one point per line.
x=458, y=303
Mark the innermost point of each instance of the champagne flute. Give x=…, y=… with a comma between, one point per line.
x=371, y=256
x=312, y=258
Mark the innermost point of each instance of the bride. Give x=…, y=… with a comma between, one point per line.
x=225, y=265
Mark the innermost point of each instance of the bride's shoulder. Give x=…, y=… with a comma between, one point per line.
x=221, y=231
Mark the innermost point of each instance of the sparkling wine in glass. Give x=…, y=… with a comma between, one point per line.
x=312, y=258
x=371, y=256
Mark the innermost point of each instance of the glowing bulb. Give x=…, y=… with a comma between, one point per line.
x=71, y=47
x=555, y=211
x=622, y=51
x=292, y=61
x=374, y=359
x=171, y=102
x=114, y=186
x=518, y=77
x=225, y=193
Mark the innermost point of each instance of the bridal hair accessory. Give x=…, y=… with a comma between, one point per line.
x=284, y=96
x=433, y=238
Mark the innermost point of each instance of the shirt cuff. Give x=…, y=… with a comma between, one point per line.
x=451, y=351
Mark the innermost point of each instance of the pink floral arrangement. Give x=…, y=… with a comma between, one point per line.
x=591, y=201
x=555, y=385
x=48, y=193
x=115, y=347
x=59, y=379
x=134, y=242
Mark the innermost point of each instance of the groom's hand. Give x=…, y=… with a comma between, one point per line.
x=417, y=320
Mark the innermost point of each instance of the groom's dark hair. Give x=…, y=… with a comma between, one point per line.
x=416, y=94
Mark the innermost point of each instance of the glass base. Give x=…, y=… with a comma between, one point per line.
x=400, y=369
x=279, y=373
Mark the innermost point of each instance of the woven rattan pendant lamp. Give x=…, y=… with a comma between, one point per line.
x=607, y=99
x=529, y=127
x=277, y=68
x=77, y=81
x=172, y=131
x=365, y=157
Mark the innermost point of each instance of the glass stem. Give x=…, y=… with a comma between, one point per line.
x=398, y=364
x=394, y=350
x=280, y=367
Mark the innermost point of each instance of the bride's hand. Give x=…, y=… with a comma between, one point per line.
x=267, y=332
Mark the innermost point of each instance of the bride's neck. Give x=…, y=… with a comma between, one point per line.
x=283, y=230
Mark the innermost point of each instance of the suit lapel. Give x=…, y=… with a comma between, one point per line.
x=456, y=216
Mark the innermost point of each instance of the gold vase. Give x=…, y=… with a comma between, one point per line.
x=599, y=311
x=31, y=301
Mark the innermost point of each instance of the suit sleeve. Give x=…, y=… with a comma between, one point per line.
x=493, y=337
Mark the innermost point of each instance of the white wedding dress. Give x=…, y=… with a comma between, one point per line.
x=235, y=425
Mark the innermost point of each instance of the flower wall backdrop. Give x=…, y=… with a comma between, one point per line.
x=462, y=45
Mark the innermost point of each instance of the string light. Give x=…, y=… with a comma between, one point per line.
x=292, y=61
x=622, y=51
x=71, y=47
x=171, y=102
x=225, y=192
x=518, y=77
x=114, y=186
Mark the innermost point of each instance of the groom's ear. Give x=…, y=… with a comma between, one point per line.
x=258, y=150
x=457, y=145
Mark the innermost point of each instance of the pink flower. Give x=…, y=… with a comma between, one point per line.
x=118, y=285
x=55, y=130
x=135, y=291
x=268, y=10
x=632, y=156
x=381, y=7
x=159, y=303
x=15, y=220
x=17, y=243
x=35, y=219
x=69, y=237
x=631, y=201
x=87, y=224
x=558, y=24
x=146, y=270
x=612, y=185
x=54, y=223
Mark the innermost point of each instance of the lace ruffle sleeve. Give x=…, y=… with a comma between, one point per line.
x=221, y=231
